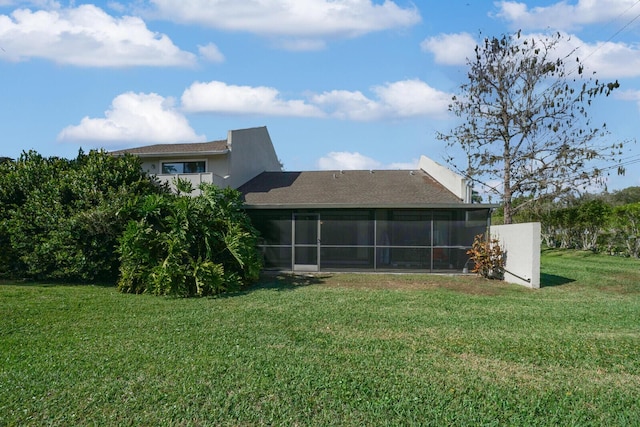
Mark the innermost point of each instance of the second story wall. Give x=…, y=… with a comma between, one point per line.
x=251, y=153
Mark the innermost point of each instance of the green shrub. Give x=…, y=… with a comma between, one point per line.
x=189, y=246
x=625, y=220
x=61, y=218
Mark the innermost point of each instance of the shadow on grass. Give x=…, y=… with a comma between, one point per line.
x=288, y=281
x=281, y=282
x=548, y=280
x=274, y=281
x=52, y=283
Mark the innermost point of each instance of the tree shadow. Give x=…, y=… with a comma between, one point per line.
x=548, y=280
x=281, y=282
x=53, y=283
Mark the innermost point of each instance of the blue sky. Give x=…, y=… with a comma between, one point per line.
x=340, y=84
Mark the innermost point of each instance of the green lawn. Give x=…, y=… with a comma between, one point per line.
x=331, y=350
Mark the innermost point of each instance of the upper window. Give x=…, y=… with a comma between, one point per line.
x=183, y=167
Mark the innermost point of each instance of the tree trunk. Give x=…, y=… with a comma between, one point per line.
x=507, y=192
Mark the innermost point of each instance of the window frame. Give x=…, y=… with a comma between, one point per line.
x=161, y=164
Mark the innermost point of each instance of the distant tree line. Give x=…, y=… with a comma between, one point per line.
x=100, y=218
x=605, y=222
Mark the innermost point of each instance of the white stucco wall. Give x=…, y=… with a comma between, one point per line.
x=251, y=153
x=521, y=245
x=451, y=180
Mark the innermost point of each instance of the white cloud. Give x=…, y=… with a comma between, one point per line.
x=402, y=99
x=218, y=97
x=343, y=104
x=306, y=19
x=411, y=98
x=211, y=53
x=565, y=16
x=450, y=49
x=86, y=36
x=344, y=160
x=140, y=117
x=291, y=17
x=608, y=59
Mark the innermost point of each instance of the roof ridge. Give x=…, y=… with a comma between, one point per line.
x=351, y=187
x=216, y=145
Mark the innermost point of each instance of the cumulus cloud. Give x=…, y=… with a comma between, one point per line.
x=410, y=98
x=292, y=19
x=86, y=36
x=403, y=99
x=211, y=53
x=350, y=105
x=608, y=59
x=563, y=15
x=219, y=97
x=345, y=160
x=139, y=117
x=450, y=49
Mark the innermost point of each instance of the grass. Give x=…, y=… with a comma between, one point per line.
x=335, y=349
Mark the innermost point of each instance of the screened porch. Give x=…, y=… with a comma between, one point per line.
x=425, y=240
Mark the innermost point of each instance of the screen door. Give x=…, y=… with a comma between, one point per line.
x=306, y=248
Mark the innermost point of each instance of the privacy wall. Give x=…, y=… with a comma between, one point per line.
x=521, y=245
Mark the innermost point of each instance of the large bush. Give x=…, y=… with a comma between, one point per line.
x=186, y=246
x=97, y=216
x=61, y=219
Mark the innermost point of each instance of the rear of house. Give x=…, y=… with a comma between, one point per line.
x=380, y=220
x=384, y=220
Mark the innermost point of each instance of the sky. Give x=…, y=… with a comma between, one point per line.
x=339, y=84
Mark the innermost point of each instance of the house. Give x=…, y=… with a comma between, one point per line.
x=371, y=220
x=226, y=163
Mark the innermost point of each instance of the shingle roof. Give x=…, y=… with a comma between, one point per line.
x=379, y=188
x=187, y=148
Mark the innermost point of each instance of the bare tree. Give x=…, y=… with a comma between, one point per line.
x=526, y=123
